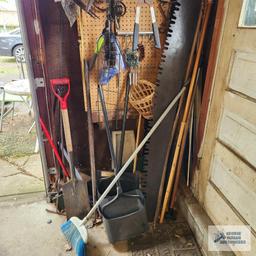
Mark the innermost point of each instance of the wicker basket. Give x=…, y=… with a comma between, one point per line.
x=141, y=98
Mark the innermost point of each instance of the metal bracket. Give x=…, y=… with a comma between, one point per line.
x=52, y=171
x=39, y=82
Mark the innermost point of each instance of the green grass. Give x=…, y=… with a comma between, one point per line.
x=8, y=69
x=4, y=59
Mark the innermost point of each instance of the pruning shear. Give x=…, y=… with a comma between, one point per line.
x=137, y=21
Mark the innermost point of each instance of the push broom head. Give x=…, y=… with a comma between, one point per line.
x=76, y=234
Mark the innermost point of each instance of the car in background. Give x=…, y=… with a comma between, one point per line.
x=11, y=44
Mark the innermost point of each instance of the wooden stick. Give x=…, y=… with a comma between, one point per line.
x=137, y=142
x=190, y=145
x=88, y=106
x=67, y=130
x=90, y=129
x=188, y=71
x=186, y=114
x=178, y=171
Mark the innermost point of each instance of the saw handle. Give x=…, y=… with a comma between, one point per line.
x=62, y=98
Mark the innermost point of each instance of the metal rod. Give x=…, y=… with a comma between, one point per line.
x=32, y=84
x=126, y=104
x=109, y=137
x=2, y=109
x=130, y=33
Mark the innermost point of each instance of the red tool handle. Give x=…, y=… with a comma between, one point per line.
x=61, y=81
x=48, y=136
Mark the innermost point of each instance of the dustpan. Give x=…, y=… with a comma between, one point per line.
x=128, y=182
x=124, y=216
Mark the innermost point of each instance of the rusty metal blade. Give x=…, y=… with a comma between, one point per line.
x=76, y=198
x=182, y=25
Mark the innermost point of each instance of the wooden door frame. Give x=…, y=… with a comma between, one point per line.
x=210, y=76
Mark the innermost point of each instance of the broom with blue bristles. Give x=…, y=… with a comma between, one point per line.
x=74, y=229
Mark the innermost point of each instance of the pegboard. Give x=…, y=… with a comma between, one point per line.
x=91, y=28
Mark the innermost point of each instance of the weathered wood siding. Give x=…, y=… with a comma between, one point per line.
x=226, y=177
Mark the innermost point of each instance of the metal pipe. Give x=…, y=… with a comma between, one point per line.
x=121, y=145
x=32, y=84
x=130, y=33
x=2, y=108
x=109, y=137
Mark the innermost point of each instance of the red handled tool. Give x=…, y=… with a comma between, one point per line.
x=75, y=191
x=56, y=153
x=61, y=89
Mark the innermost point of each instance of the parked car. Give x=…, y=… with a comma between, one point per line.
x=11, y=44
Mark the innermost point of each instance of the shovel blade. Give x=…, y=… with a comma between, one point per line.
x=76, y=199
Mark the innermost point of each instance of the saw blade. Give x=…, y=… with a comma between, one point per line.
x=182, y=25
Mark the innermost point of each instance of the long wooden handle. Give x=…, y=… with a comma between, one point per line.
x=67, y=130
x=137, y=142
x=90, y=130
x=178, y=171
x=185, y=115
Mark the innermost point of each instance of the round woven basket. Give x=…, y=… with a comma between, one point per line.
x=141, y=98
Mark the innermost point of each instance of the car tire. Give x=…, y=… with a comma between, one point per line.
x=18, y=53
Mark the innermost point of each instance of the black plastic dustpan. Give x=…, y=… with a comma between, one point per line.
x=124, y=213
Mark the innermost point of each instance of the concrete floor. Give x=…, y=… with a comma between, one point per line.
x=21, y=175
x=26, y=227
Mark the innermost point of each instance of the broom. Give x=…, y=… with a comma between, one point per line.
x=74, y=229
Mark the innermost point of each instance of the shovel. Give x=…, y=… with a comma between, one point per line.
x=75, y=191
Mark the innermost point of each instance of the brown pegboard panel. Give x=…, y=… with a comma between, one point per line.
x=90, y=29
